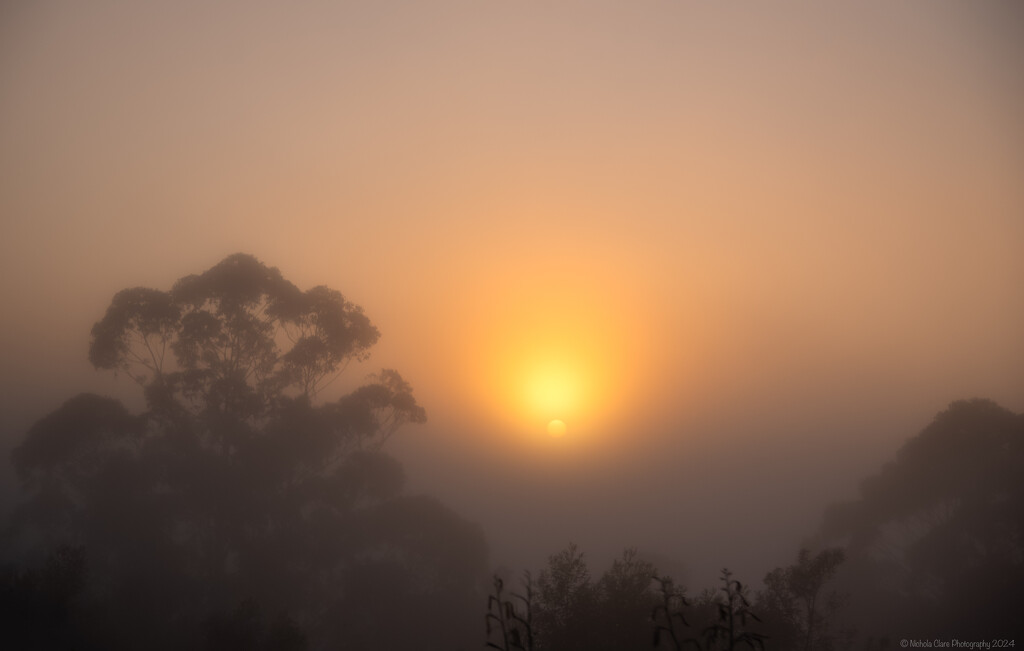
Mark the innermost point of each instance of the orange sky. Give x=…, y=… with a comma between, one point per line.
x=711, y=226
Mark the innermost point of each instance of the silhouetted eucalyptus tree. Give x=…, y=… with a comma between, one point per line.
x=235, y=487
x=565, y=602
x=625, y=598
x=793, y=601
x=230, y=340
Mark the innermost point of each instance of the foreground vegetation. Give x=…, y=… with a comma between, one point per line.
x=630, y=605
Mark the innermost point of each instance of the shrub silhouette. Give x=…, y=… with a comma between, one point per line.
x=734, y=613
x=669, y=621
x=510, y=626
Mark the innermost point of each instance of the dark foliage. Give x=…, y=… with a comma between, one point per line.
x=732, y=629
x=622, y=610
x=37, y=604
x=509, y=622
x=671, y=627
x=245, y=629
x=565, y=609
x=798, y=610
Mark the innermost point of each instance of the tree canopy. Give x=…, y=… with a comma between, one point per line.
x=231, y=339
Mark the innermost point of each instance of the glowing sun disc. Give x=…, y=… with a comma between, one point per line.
x=556, y=428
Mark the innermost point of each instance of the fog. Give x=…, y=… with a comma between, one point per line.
x=745, y=254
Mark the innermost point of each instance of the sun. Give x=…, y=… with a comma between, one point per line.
x=556, y=428
x=552, y=388
x=562, y=340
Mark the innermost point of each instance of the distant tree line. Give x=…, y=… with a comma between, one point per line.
x=631, y=606
x=933, y=549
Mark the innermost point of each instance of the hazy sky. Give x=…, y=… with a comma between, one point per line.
x=743, y=251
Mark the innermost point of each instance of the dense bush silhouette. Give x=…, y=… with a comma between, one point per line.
x=236, y=511
x=624, y=609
